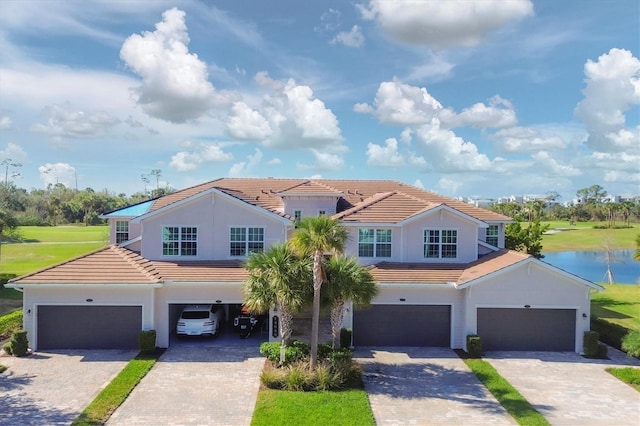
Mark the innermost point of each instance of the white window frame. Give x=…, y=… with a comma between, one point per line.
x=122, y=235
x=246, y=242
x=440, y=243
x=377, y=245
x=492, y=237
x=186, y=241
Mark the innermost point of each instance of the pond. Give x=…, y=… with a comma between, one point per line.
x=592, y=265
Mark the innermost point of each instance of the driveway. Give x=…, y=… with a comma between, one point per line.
x=54, y=387
x=196, y=384
x=421, y=386
x=569, y=389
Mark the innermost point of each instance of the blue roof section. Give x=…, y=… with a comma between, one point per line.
x=131, y=211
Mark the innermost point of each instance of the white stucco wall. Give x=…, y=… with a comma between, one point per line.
x=213, y=215
x=534, y=285
x=101, y=295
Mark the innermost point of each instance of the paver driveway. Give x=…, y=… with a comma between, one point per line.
x=203, y=385
x=426, y=386
x=50, y=388
x=570, y=390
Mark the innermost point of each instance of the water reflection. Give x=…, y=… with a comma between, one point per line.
x=592, y=265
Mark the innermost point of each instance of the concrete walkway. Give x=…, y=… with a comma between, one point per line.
x=197, y=385
x=426, y=386
x=569, y=389
x=52, y=388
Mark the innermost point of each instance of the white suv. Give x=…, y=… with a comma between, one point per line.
x=198, y=320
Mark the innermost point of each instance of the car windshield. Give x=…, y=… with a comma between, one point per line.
x=195, y=314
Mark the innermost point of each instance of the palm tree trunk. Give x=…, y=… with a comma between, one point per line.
x=315, y=317
x=337, y=315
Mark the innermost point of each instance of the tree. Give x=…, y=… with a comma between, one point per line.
x=527, y=240
x=592, y=194
x=636, y=255
x=278, y=277
x=7, y=221
x=346, y=281
x=314, y=237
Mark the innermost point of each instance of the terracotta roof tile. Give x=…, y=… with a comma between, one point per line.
x=108, y=265
x=388, y=207
x=491, y=263
x=202, y=271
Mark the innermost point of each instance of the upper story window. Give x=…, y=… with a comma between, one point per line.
x=297, y=217
x=322, y=212
x=122, y=231
x=243, y=241
x=374, y=242
x=492, y=235
x=441, y=243
x=179, y=241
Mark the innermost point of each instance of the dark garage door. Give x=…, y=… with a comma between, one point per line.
x=89, y=327
x=403, y=325
x=527, y=329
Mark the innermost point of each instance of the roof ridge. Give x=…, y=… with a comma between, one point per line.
x=136, y=260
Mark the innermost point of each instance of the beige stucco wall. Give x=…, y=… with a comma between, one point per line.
x=101, y=295
x=534, y=285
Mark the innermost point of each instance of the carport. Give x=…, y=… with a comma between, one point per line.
x=403, y=325
x=88, y=327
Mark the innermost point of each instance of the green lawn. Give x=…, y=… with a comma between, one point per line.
x=276, y=407
x=629, y=375
x=64, y=234
x=618, y=304
x=583, y=236
x=20, y=259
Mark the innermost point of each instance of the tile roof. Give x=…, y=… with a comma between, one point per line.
x=441, y=273
x=266, y=193
x=202, y=271
x=108, y=265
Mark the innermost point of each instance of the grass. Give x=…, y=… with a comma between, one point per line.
x=2, y=368
x=583, y=236
x=276, y=407
x=512, y=401
x=111, y=397
x=618, y=304
x=63, y=234
x=629, y=375
x=10, y=323
x=20, y=259
x=10, y=294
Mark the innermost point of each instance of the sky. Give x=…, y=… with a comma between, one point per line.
x=484, y=98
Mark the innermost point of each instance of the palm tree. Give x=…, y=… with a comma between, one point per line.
x=278, y=277
x=314, y=237
x=346, y=281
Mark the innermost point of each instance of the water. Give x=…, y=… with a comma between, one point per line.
x=592, y=265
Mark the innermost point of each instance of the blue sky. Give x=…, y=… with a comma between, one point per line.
x=486, y=98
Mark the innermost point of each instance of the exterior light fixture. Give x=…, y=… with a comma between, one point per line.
x=89, y=300
x=527, y=306
x=402, y=299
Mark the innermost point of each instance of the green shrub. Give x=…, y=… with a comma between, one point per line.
x=324, y=350
x=19, y=343
x=603, y=351
x=631, y=343
x=590, y=344
x=147, y=341
x=10, y=323
x=345, y=337
x=295, y=351
x=326, y=378
x=611, y=334
x=2, y=368
x=271, y=377
x=298, y=377
x=474, y=346
x=7, y=348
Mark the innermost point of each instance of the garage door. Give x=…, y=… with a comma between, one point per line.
x=89, y=327
x=403, y=325
x=527, y=329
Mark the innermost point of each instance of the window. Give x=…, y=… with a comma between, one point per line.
x=179, y=241
x=297, y=216
x=441, y=243
x=374, y=242
x=492, y=235
x=243, y=241
x=122, y=231
x=322, y=212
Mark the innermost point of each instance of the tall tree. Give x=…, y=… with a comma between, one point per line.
x=346, y=281
x=7, y=221
x=527, y=240
x=315, y=237
x=278, y=278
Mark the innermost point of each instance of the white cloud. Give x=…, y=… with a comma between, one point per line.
x=175, y=84
x=14, y=152
x=353, y=38
x=274, y=162
x=612, y=87
x=389, y=155
x=449, y=186
x=442, y=24
x=325, y=162
x=5, y=123
x=246, y=123
x=399, y=103
x=551, y=167
x=329, y=21
x=526, y=139
x=64, y=123
x=200, y=154
x=418, y=184
x=53, y=173
x=621, y=166
x=447, y=152
x=244, y=168
x=498, y=114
